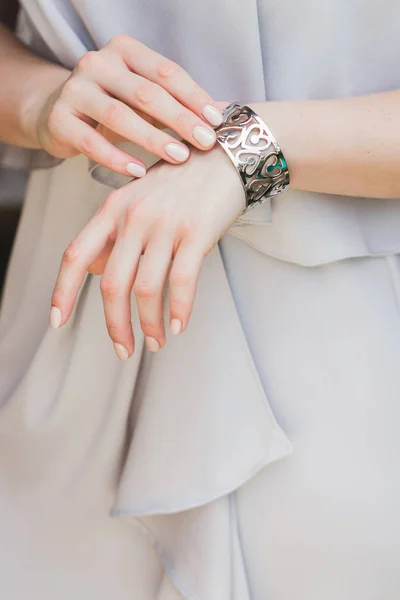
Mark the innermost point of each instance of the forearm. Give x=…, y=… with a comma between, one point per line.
x=26, y=79
x=348, y=146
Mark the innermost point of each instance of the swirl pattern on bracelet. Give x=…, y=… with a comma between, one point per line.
x=255, y=153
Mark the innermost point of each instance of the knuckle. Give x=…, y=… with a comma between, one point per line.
x=163, y=222
x=112, y=115
x=134, y=213
x=146, y=289
x=111, y=288
x=112, y=201
x=181, y=306
x=72, y=86
x=72, y=254
x=199, y=97
x=121, y=40
x=166, y=69
x=86, y=145
x=89, y=61
x=144, y=92
x=181, y=278
x=55, y=120
x=151, y=328
x=152, y=141
x=184, y=121
x=191, y=230
x=111, y=159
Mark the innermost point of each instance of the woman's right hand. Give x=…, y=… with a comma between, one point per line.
x=128, y=89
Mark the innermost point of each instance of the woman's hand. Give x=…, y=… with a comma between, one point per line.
x=173, y=214
x=129, y=89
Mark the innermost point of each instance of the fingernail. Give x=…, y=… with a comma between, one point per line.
x=213, y=115
x=176, y=326
x=152, y=344
x=177, y=152
x=135, y=170
x=121, y=351
x=55, y=317
x=205, y=137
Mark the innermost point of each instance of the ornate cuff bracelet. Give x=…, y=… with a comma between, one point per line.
x=255, y=153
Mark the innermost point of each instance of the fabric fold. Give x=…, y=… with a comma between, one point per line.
x=233, y=432
x=197, y=435
x=164, y=441
x=171, y=441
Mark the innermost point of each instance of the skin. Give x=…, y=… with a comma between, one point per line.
x=153, y=229
x=159, y=228
x=123, y=90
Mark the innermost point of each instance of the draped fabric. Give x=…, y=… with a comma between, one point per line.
x=183, y=436
x=195, y=435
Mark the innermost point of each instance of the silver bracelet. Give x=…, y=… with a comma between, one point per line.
x=255, y=153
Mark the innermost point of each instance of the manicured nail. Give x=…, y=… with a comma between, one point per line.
x=135, y=170
x=177, y=152
x=121, y=351
x=176, y=326
x=205, y=137
x=213, y=115
x=55, y=317
x=152, y=344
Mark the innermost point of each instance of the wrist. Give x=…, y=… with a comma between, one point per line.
x=216, y=166
x=290, y=124
x=37, y=93
x=226, y=175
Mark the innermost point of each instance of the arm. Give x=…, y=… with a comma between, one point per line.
x=24, y=77
x=348, y=146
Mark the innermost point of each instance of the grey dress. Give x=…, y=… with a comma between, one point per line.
x=257, y=456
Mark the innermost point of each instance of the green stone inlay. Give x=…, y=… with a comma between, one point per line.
x=281, y=164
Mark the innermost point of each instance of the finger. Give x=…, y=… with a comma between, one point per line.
x=77, y=258
x=149, y=286
x=99, y=264
x=153, y=100
x=116, y=285
x=121, y=119
x=153, y=66
x=92, y=144
x=183, y=282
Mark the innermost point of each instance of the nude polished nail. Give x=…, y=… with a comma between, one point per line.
x=205, y=137
x=55, y=317
x=177, y=152
x=121, y=351
x=212, y=115
x=152, y=344
x=135, y=170
x=176, y=326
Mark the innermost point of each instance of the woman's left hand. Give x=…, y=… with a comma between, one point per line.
x=173, y=214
